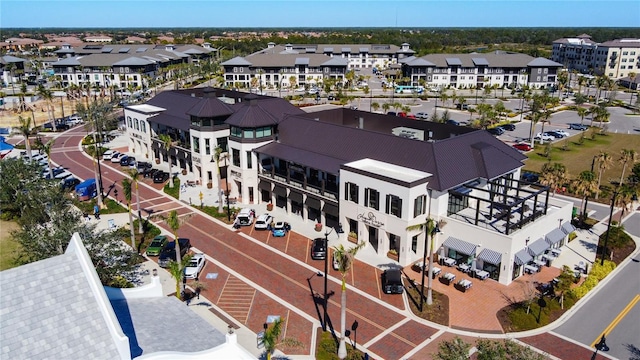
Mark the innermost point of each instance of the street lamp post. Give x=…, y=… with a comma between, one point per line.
x=586, y=199
x=326, y=276
x=601, y=345
x=226, y=180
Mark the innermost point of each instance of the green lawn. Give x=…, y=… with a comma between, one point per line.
x=8, y=247
x=578, y=157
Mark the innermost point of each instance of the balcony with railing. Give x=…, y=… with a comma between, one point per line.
x=296, y=180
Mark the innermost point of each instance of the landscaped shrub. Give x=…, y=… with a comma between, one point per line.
x=601, y=271
x=598, y=272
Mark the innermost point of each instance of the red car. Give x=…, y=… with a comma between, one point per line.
x=522, y=147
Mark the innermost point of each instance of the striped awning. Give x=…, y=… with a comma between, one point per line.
x=490, y=256
x=522, y=257
x=460, y=246
x=567, y=228
x=555, y=236
x=538, y=247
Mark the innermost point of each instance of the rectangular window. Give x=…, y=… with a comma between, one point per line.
x=414, y=244
x=222, y=143
x=249, y=162
x=235, y=157
x=351, y=192
x=248, y=134
x=137, y=124
x=419, y=205
x=394, y=205
x=196, y=144
x=372, y=198
x=236, y=131
x=207, y=146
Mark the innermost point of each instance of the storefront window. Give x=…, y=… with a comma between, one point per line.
x=372, y=198
x=394, y=205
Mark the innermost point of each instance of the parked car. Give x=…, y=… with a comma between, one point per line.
x=245, y=217
x=422, y=115
x=452, y=122
x=508, y=127
x=131, y=161
x=169, y=251
x=392, y=113
x=124, y=160
x=263, y=222
x=69, y=183
x=115, y=158
x=496, y=131
x=148, y=173
x=544, y=137
x=280, y=229
x=194, y=266
x=334, y=261
x=318, y=250
x=529, y=177
x=142, y=166
x=562, y=132
x=462, y=106
x=554, y=134
x=392, y=281
x=157, y=244
x=107, y=155
x=578, y=127
x=522, y=147
x=160, y=176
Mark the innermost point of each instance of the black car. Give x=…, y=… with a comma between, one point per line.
x=148, y=173
x=142, y=166
x=69, y=183
x=508, y=127
x=392, y=281
x=169, y=251
x=160, y=176
x=554, y=134
x=496, y=131
x=124, y=160
x=578, y=127
x=452, y=122
x=529, y=177
x=318, y=250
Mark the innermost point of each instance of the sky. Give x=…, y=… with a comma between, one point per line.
x=315, y=13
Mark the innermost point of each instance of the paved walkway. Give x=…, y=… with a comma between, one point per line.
x=280, y=278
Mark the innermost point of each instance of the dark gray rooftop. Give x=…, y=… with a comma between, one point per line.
x=254, y=112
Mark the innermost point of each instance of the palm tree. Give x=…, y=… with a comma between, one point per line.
x=219, y=155
x=126, y=189
x=430, y=228
x=271, y=338
x=584, y=185
x=135, y=179
x=47, y=95
x=167, y=143
x=344, y=258
x=582, y=112
x=632, y=77
x=553, y=175
x=176, y=270
x=627, y=156
x=604, y=162
x=46, y=148
x=625, y=197
x=173, y=221
x=26, y=131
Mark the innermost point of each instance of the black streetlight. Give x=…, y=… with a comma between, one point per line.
x=586, y=199
x=436, y=229
x=606, y=238
x=601, y=345
x=226, y=180
x=326, y=276
x=354, y=328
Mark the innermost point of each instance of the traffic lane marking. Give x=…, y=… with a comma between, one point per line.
x=617, y=319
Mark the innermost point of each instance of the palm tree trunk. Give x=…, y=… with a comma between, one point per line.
x=342, y=348
x=599, y=179
x=624, y=168
x=133, y=234
x=138, y=206
x=220, y=208
x=170, y=174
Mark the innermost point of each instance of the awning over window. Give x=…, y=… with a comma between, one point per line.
x=460, y=246
x=312, y=202
x=522, y=257
x=330, y=209
x=295, y=196
x=490, y=256
x=567, y=228
x=538, y=247
x=263, y=185
x=280, y=191
x=555, y=236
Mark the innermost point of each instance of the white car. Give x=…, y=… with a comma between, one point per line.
x=263, y=222
x=194, y=267
x=422, y=115
x=74, y=120
x=544, y=137
x=107, y=155
x=115, y=158
x=562, y=132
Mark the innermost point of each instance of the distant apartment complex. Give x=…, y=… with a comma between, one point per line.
x=614, y=58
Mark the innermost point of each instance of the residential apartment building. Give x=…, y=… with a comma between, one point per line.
x=125, y=66
x=614, y=59
x=465, y=71
x=287, y=66
x=373, y=174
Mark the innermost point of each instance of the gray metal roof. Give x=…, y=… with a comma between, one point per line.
x=133, y=61
x=177, y=105
x=490, y=256
x=460, y=246
x=495, y=59
x=337, y=49
x=70, y=61
x=554, y=236
x=480, y=61
x=254, y=112
x=124, y=50
x=210, y=107
x=568, y=228
x=542, y=62
x=454, y=62
x=236, y=61
x=522, y=257
x=302, y=61
x=418, y=62
x=336, y=61
x=49, y=311
x=538, y=247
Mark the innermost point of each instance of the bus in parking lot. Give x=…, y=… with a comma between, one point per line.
x=408, y=89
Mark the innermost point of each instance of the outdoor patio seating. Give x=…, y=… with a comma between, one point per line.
x=530, y=269
x=449, y=262
x=464, y=285
x=481, y=274
x=447, y=278
x=464, y=267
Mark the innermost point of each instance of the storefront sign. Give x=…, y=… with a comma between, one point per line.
x=370, y=219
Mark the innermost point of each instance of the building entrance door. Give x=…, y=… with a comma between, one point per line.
x=373, y=237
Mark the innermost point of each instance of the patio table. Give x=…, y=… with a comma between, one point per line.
x=449, y=261
x=464, y=268
x=481, y=274
x=530, y=269
x=465, y=284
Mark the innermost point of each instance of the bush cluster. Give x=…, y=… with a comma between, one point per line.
x=598, y=272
